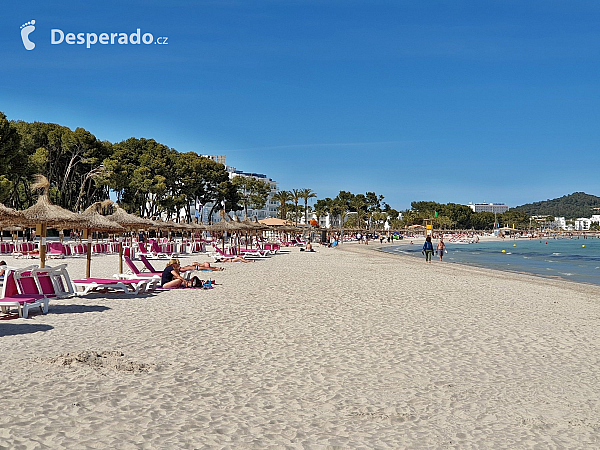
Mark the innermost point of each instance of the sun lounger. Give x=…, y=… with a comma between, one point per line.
x=148, y=265
x=53, y=282
x=137, y=271
x=55, y=250
x=132, y=286
x=25, y=250
x=7, y=247
x=20, y=290
x=225, y=255
x=150, y=254
x=271, y=247
x=246, y=252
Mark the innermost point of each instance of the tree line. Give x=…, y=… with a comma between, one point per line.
x=572, y=206
x=369, y=212
x=150, y=178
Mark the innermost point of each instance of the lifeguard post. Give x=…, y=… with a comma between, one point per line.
x=428, y=227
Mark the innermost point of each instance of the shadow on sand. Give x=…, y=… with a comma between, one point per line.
x=75, y=309
x=24, y=328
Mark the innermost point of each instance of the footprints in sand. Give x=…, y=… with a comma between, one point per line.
x=99, y=361
x=26, y=30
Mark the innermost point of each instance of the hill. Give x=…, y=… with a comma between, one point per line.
x=578, y=204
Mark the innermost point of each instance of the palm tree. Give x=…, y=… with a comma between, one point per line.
x=306, y=194
x=282, y=197
x=296, y=199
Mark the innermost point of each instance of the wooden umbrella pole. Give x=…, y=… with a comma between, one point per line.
x=41, y=230
x=88, y=237
x=120, y=254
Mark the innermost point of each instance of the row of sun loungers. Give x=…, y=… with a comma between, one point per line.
x=32, y=287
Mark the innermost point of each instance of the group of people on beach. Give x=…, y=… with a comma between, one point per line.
x=428, y=249
x=171, y=276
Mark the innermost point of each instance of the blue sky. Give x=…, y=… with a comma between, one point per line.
x=461, y=101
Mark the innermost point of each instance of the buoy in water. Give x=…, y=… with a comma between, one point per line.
x=583, y=245
x=514, y=245
x=546, y=242
x=503, y=251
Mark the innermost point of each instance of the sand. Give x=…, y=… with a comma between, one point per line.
x=342, y=348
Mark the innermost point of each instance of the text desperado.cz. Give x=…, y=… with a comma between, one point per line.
x=58, y=37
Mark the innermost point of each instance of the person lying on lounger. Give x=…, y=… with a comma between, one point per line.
x=205, y=266
x=171, y=277
x=234, y=259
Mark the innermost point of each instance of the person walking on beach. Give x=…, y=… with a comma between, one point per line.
x=441, y=247
x=427, y=249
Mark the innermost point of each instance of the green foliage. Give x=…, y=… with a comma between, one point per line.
x=6, y=187
x=148, y=177
x=578, y=204
x=307, y=194
x=253, y=192
x=69, y=159
x=282, y=197
x=519, y=219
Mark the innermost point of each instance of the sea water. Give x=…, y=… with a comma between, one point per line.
x=575, y=259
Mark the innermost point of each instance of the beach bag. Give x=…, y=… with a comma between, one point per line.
x=196, y=282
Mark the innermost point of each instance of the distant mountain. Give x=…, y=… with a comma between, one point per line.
x=570, y=206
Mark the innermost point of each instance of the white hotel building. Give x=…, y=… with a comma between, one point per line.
x=496, y=208
x=270, y=209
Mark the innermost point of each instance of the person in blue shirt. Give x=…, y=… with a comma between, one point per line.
x=427, y=249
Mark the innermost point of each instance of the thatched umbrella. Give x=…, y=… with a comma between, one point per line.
x=253, y=228
x=9, y=216
x=97, y=222
x=224, y=226
x=44, y=215
x=129, y=222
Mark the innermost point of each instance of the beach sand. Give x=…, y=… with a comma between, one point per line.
x=342, y=348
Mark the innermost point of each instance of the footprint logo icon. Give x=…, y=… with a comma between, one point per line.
x=26, y=30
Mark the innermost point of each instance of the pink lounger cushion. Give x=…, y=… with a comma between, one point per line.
x=20, y=298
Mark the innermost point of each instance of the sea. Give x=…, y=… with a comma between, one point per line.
x=574, y=259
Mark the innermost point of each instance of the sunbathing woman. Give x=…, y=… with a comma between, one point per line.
x=171, y=278
x=236, y=259
x=205, y=266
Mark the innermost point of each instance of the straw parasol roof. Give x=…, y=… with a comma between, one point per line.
x=223, y=225
x=288, y=229
x=129, y=221
x=98, y=222
x=255, y=226
x=160, y=224
x=9, y=216
x=182, y=226
x=198, y=226
x=242, y=225
x=45, y=213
